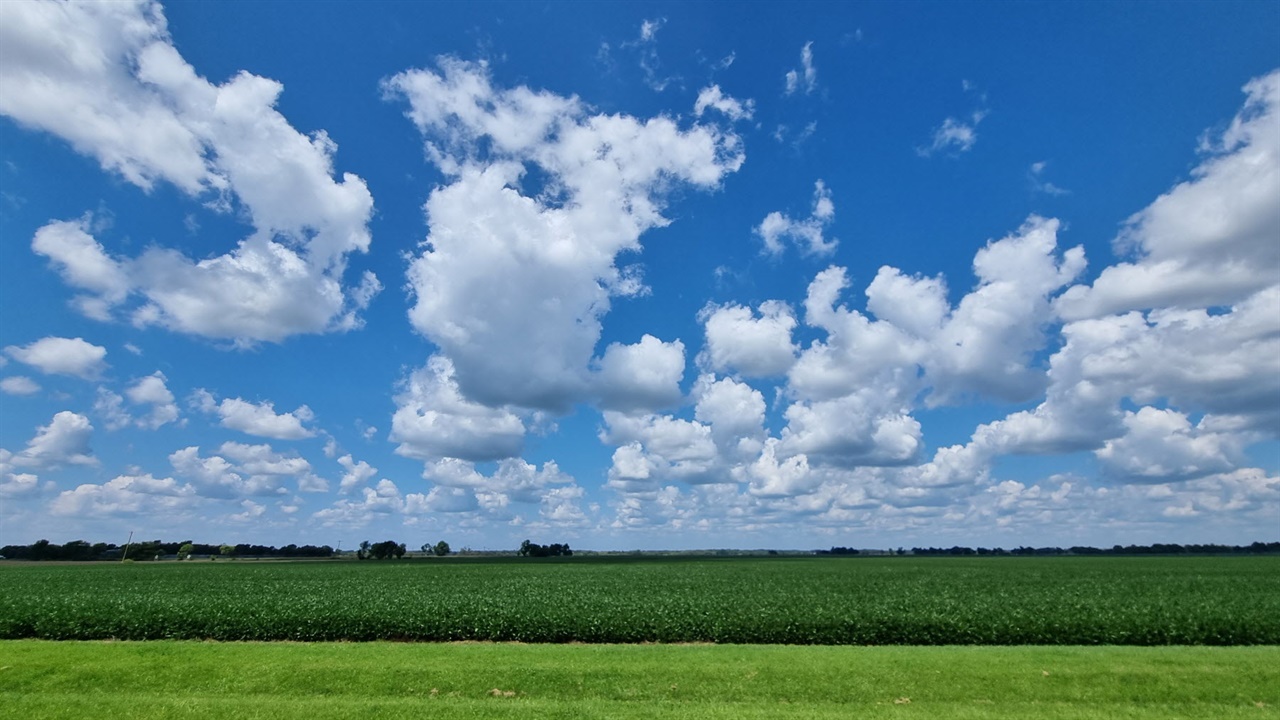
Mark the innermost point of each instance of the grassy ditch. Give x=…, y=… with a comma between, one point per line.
x=177, y=679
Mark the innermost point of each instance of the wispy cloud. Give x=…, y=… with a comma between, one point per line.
x=806, y=76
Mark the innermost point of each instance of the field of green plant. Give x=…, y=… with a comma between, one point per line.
x=833, y=601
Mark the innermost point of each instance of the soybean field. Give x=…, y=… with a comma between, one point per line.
x=808, y=601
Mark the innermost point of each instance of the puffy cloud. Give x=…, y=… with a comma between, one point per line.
x=1161, y=445
x=847, y=448
x=915, y=304
x=251, y=513
x=216, y=477
x=356, y=475
x=460, y=489
x=258, y=419
x=951, y=466
x=738, y=341
x=662, y=448
x=445, y=499
x=61, y=356
x=541, y=199
x=712, y=97
x=1227, y=365
x=632, y=470
x=85, y=264
x=262, y=291
x=560, y=508
x=859, y=429
x=125, y=495
x=643, y=376
x=856, y=351
x=64, y=441
x=852, y=392
x=151, y=390
x=807, y=233
x=110, y=407
x=986, y=343
x=806, y=77
x=15, y=486
x=770, y=477
x=19, y=385
x=380, y=502
x=262, y=459
x=1211, y=240
x=64, y=72
x=112, y=84
x=514, y=480
x=735, y=414
x=433, y=420
x=981, y=347
x=1244, y=501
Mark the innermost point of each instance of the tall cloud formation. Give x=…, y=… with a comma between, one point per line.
x=543, y=199
x=106, y=78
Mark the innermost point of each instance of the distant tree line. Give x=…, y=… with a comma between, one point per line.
x=838, y=551
x=380, y=551
x=151, y=549
x=532, y=549
x=440, y=549
x=1257, y=548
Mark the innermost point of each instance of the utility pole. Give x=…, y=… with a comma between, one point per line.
x=126, y=546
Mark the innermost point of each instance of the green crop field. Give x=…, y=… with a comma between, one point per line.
x=831, y=601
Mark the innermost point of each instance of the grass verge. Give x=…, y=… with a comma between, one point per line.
x=175, y=679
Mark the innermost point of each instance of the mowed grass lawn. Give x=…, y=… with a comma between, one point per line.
x=185, y=679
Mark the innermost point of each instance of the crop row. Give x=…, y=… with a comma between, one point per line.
x=1129, y=601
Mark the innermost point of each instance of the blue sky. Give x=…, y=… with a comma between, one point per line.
x=636, y=275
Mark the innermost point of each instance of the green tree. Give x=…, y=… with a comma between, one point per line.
x=386, y=549
x=185, y=551
x=227, y=551
x=441, y=549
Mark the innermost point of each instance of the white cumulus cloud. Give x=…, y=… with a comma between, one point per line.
x=19, y=385
x=643, y=376
x=64, y=441
x=126, y=495
x=433, y=420
x=737, y=340
x=1211, y=240
x=713, y=98
x=806, y=233
x=541, y=198
x=259, y=419
x=107, y=78
x=61, y=356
